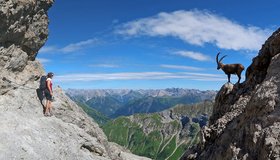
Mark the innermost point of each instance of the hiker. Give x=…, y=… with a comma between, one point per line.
x=48, y=94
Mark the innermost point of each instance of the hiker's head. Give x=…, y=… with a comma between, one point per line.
x=50, y=75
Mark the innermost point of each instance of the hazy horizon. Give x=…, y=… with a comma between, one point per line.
x=136, y=89
x=153, y=45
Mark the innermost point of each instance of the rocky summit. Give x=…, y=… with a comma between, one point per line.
x=246, y=118
x=25, y=133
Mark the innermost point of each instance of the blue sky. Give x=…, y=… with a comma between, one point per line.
x=153, y=44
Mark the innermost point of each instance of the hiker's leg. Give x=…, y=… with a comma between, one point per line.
x=47, y=107
x=50, y=106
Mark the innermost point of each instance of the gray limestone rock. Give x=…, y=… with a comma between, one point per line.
x=25, y=132
x=245, y=123
x=24, y=23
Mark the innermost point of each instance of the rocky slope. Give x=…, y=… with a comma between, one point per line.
x=25, y=133
x=162, y=135
x=98, y=117
x=246, y=119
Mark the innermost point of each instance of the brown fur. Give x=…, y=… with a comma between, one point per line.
x=230, y=68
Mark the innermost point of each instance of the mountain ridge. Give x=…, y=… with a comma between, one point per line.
x=245, y=120
x=119, y=102
x=146, y=92
x=160, y=135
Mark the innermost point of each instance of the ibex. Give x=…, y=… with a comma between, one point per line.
x=229, y=68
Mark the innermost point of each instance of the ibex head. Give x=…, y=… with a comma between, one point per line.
x=219, y=62
x=229, y=68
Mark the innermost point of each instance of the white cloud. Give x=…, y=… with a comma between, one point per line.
x=197, y=28
x=105, y=65
x=47, y=49
x=43, y=60
x=78, y=46
x=73, y=47
x=181, y=67
x=139, y=76
x=193, y=55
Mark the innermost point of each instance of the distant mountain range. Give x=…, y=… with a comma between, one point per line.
x=159, y=124
x=161, y=135
x=125, y=102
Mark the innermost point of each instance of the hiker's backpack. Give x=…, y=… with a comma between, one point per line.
x=43, y=84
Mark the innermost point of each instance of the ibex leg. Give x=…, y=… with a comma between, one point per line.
x=239, y=77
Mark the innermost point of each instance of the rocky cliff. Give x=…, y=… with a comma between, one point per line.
x=25, y=133
x=246, y=118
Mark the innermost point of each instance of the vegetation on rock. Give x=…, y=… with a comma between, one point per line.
x=162, y=135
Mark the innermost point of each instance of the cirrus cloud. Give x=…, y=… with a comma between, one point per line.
x=43, y=60
x=80, y=77
x=105, y=65
x=73, y=47
x=197, y=28
x=193, y=55
x=181, y=67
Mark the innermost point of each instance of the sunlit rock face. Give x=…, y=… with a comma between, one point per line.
x=24, y=24
x=25, y=133
x=245, y=123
